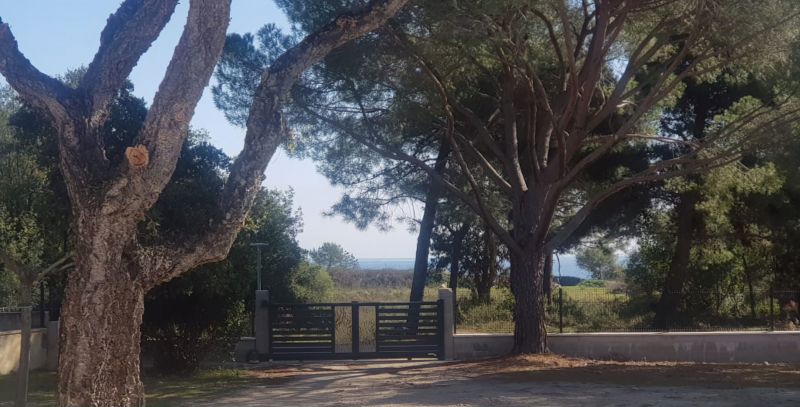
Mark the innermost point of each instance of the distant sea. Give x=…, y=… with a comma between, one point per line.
x=569, y=267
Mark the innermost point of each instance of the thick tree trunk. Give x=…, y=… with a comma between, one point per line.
x=426, y=225
x=100, y=323
x=678, y=270
x=23, y=371
x=527, y=279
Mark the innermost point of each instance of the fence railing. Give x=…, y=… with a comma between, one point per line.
x=10, y=318
x=582, y=309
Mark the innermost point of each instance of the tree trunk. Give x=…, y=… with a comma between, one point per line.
x=23, y=371
x=678, y=270
x=484, y=278
x=748, y=273
x=456, y=253
x=426, y=225
x=100, y=325
x=527, y=279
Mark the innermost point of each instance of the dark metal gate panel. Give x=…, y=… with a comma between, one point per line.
x=301, y=329
x=409, y=330
x=401, y=330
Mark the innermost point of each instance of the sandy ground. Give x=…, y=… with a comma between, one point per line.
x=520, y=381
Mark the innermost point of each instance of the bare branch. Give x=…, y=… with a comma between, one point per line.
x=167, y=123
x=32, y=85
x=129, y=32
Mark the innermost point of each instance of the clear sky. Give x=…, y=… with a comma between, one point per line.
x=57, y=35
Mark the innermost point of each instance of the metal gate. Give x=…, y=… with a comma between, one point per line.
x=356, y=330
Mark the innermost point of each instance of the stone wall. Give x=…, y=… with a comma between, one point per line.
x=707, y=347
x=9, y=350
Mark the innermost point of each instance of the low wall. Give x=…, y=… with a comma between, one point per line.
x=9, y=350
x=708, y=347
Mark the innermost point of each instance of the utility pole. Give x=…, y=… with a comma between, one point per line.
x=258, y=247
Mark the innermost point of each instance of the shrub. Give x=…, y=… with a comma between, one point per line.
x=310, y=283
x=568, y=281
x=592, y=284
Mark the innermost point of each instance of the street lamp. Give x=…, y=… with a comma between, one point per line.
x=258, y=264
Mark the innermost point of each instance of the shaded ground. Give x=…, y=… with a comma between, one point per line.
x=520, y=381
x=161, y=391
x=515, y=381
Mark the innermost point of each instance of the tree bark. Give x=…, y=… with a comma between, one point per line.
x=484, y=278
x=23, y=371
x=426, y=226
x=101, y=318
x=104, y=300
x=527, y=278
x=456, y=254
x=675, y=280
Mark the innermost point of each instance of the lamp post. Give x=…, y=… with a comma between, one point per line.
x=258, y=247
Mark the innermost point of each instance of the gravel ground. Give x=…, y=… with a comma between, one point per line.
x=521, y=381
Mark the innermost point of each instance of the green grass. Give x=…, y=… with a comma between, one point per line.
x=160, y=391
x=347, y=294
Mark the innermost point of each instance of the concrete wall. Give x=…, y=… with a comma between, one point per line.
x=710, y=347
x=10, y=321
x=9, y=350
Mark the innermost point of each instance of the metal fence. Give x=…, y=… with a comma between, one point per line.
x=582, y=309
x=10, y=318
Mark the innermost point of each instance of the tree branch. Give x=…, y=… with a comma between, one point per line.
x=167, y=122
x=265, y=132
x=129, y=32
x=33, y=86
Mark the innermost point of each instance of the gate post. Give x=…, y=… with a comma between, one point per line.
x=448, y=328
x=261, y=322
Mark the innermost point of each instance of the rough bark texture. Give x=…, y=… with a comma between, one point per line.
x=103, y=305
x=527, y=272
x=678, y=269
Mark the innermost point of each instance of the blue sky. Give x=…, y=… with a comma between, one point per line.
x=57, y=35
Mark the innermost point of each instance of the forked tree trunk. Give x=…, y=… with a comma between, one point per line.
x=100, y=324
x=104, y=302
x=527, y=278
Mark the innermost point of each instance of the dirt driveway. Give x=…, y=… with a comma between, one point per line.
x=521, y=381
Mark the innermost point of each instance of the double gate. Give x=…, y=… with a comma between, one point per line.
x=356, y=330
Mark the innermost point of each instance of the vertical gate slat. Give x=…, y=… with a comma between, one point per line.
x=355, y=326
x=333, y=329
x=377, y=329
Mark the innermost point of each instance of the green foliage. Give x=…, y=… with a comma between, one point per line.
x=332, y=257
x=311, y=283
x=592, y=284
x=204, y=311
x=600, y=261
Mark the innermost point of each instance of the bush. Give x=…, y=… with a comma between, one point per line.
x=192, y=317
x=592, y=284
x=568, y=281
x=310, y=283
